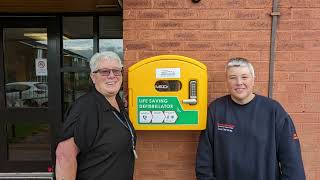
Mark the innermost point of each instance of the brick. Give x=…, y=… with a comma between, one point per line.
x=218, y=76
x=261, y=88
x=294, y=3
x=306, y=56
x=199, y=24
x=213, y=35
x=315, y=24
x=294, y=25
x=218, y=87
x=130, y=55
x=311, y=97
x=311, y=158
x=201, y=4
x=313, y=45
x=168, y=24
x=153, y=14
x=183, y=155
x=290, y=66
x=130, y=63
x=229, y=45
x=285, y=13
x=311, y=128
x=150, y=172
x=180, y=174
x=137, y=24
x=137, y=45
x=258, y=3
x=216, y=14
x=283, y=36
x=305, y=117
x=280, y=97
x=294, y=107
x=246, y=14
x=128, y=4
x=198, y=45
x=313, y=66
x=291, y=45
x=185, y=35
x=168, y=45
x=215, y=55
x=261, y=76
x=257, y=45
x=174, y=147
x=257, y=24
x=146, y=54
x=154, y=34
x=314, y=3
x=163, y=165
x=205, y=55
x=306, y=13
x=243, y=25
x=295, y=97
x=228, y=4
x=129, y=14
x=313, y=87
x=309, y=141
x=130, y=35
x=283, y=56
x=281, y=76
x=250, y=55
x=286, y=87
x=250, y=35
x=306, y=35
x=304, y=76
x=260, y=66
x=168, y=4
x=183, y=14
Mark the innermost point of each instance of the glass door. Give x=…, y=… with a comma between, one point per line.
x=30, y=93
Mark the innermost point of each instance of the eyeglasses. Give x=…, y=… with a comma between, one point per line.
x=106, y=72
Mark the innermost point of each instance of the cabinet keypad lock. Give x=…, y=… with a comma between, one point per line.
x=192, y=93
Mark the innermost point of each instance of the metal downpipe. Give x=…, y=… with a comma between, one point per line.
x=275, y=13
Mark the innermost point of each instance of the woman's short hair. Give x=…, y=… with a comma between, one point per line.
x=103, y=56
x=240, y=62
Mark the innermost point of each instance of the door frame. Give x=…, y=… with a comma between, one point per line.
x=53, y=113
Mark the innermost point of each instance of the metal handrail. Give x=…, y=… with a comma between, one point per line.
x=32, y=175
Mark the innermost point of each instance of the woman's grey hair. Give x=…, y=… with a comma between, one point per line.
x=103, y=56
x=240, y=62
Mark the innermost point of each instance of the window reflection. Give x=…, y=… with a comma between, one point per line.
x=77, y=41
x=75, y=85
x=26, y=67
x=28, y=141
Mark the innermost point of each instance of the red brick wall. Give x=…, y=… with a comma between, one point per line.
x=212, y=31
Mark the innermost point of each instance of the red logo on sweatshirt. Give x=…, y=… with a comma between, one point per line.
x=225, y=127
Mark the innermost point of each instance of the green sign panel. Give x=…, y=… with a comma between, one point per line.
x=164, y=110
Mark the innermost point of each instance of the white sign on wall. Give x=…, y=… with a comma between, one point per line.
x=41, y=67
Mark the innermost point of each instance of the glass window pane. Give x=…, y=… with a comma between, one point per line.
x=110, y=34
x=25, y=61
x=75, y=85
x=28, y=141
x=77, y=41
x=110, y=27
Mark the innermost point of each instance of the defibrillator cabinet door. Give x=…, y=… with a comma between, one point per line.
x=168, y=92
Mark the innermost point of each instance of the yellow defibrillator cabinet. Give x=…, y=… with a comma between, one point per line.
x=168, y=92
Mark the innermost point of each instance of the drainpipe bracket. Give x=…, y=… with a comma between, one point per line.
x=275, y=14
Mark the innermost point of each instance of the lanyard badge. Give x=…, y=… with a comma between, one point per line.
x=130, y=130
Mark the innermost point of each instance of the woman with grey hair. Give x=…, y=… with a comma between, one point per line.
x=97, y=140
x=248, y=136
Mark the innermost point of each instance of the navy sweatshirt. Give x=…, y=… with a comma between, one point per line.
x=255, y=141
